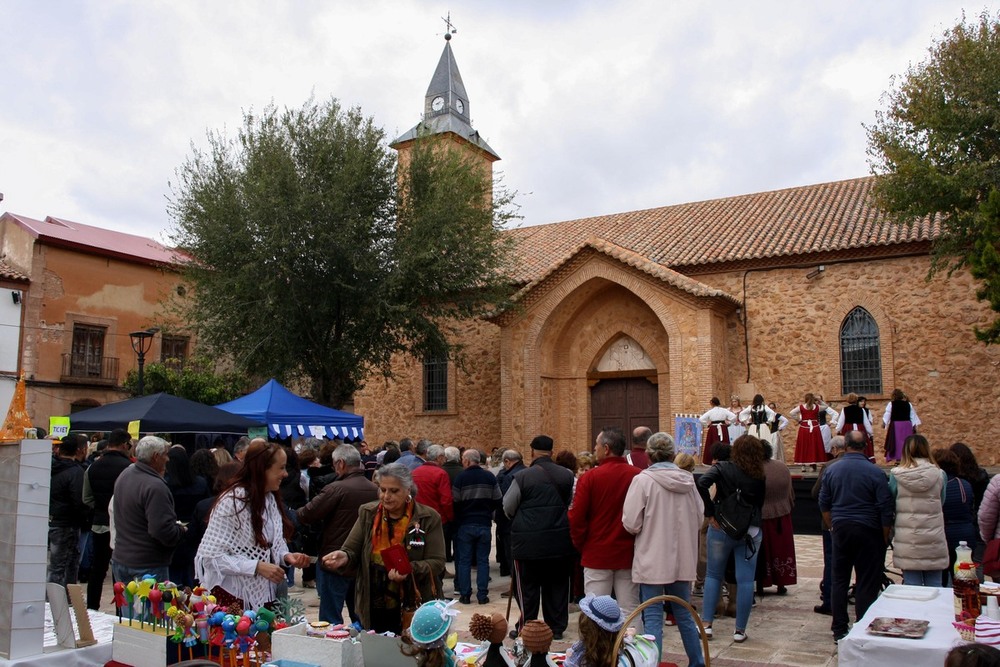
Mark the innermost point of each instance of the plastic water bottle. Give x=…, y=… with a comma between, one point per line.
x=965, y=583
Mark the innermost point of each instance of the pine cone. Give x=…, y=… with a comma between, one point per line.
x=481, y=627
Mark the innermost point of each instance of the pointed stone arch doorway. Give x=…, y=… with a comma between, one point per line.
x=623, y=389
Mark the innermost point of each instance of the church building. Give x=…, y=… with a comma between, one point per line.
x=633, y=318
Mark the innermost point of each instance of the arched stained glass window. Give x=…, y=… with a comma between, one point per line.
x=860, y=354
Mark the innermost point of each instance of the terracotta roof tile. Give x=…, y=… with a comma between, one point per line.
x=796, y=221
x=633, y=259
x=9, y=272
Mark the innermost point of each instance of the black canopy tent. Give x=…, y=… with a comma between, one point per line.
x=161, y=413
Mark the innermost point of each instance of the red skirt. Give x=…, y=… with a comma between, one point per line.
x=809, y=445
x=778, y=552
x=869, y=442
x=713, y=433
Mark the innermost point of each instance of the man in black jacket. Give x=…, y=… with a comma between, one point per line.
x=67, y=513
x=537, y=503
x=512, y=464
x=98, y=487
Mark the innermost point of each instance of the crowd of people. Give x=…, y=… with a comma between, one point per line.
x=374, y=530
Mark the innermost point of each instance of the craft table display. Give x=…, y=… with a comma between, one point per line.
x=50, y=654
x=24, y=522
x=860, y=648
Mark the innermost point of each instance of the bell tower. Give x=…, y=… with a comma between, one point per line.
x=446, y=114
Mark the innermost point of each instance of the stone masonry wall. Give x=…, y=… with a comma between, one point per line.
x=393, y=407
x=928, y=348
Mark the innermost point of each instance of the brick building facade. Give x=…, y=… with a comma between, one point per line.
x=636, y=317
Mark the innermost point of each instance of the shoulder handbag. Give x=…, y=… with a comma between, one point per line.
x=733, y=513
x=406, y=611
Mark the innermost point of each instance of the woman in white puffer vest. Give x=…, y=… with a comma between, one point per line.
x=919, y=545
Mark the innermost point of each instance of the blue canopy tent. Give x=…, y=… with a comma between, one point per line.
x=288, y=415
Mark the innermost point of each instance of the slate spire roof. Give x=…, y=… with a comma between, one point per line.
x=446, y=106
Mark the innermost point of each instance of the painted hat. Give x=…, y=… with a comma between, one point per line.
x=536, y=636
x=603, y=610
x=432, y=621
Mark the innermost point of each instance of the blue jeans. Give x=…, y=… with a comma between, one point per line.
x=922, y=578
x=334, y=590
x=64, y=555
x=472, y=539
x=652, y=619
x=718, y=547
x=125, y=574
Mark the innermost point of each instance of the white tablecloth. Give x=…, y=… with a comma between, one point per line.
x=860, y=648
x=51, y=655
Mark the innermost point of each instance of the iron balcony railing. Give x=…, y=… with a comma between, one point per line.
x=88, y=370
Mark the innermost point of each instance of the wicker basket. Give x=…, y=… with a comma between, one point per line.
x=968, y=632
x=672, y=599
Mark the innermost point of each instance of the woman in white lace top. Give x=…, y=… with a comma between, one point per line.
x=243, y=554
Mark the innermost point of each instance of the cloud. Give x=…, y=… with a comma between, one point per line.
x=595, y=107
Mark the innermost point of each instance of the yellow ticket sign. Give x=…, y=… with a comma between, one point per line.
x=59, y=427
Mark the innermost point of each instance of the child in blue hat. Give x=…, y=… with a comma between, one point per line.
x=429, y=638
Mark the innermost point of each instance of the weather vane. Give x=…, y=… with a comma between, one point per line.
x=450, y=27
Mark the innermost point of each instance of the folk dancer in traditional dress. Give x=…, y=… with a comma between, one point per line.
x=715, y=422
x=827, y=415
x=855, y=418
x=870, y=448
x=900, y=421
x=778, y=424
x=736, y=428
x=757, y=418
x=809, y=441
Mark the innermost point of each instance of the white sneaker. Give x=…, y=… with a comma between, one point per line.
x=708, y=631
x=740, y=636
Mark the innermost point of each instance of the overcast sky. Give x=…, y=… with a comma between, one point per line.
x=594, y=107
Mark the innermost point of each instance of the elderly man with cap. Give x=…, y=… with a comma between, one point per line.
x=537, y=503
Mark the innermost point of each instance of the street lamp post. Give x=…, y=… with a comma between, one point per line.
x=141, y=342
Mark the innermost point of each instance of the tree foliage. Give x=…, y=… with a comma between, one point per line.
x=195, y=381
x=311, y=262
x=936, y=150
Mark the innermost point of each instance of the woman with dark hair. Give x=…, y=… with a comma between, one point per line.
x=243, y=554
x=900, y=421
x=959, y=517
x=855, y=418
x=969, y=470
x=390, y=454
x=919, y=545
x=203, y=463
x=776, y=564
x=394, y=520
x=743, y=473
x=187, y=490
x=758, y=418
x=715, y=422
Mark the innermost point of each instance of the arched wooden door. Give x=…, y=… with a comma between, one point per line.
x=625, y=403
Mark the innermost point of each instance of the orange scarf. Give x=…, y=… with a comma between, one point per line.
x=383, y=537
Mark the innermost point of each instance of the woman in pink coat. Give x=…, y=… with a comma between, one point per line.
x=664, y=510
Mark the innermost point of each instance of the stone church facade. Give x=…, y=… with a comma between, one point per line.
x=632, y=318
